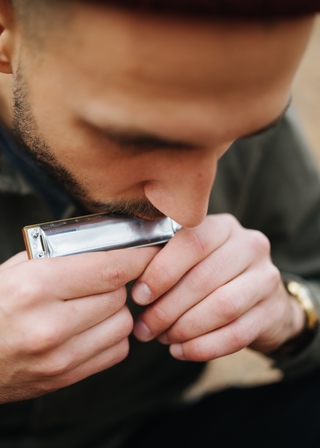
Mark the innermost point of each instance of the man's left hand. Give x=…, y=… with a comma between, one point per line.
x=213, y=290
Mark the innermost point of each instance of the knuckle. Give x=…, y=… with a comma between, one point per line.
x=126, y=321
x=230, y=220
x=29, y=292
x=228, y=306
x=236, y=341
x=161, y=315
x=196, y=242
x=196, y=350
x=117, y=299
x=239, y=338
x=115, y=276
x=56, y=367
x=202, y=277
x=181, y=332
x=122, y=350
x=36, y=285
x=161, y=274
x=258, y=241
x=47, y=367
x=274, y=276
x=39, y=340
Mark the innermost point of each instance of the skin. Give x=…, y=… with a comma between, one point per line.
x=137, y=110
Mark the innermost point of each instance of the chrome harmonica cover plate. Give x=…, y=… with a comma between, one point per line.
x=93, y=233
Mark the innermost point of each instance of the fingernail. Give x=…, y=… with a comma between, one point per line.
x=141, y=294
x=141, y=331
x=176, y=351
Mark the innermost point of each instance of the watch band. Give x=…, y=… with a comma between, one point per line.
x=301, y=293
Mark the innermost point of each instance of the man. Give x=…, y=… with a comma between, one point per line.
x=129, y=111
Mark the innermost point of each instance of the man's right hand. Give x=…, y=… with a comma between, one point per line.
x=64, y=319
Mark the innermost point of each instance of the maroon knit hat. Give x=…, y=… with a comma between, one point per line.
x=225, y=8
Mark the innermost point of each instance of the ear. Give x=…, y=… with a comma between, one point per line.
x=8, y=30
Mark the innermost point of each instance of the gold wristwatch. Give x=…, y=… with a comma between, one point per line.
x=302, y=295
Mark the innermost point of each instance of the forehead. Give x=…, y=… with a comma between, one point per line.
x=160, y=48
x=105, y=56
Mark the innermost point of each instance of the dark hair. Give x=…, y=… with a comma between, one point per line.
x=218, y=8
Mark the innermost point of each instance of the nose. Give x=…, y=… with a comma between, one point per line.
x=182, y=184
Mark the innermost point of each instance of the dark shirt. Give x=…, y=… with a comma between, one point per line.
x=54, y=196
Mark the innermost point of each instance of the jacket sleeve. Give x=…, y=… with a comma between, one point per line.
x=271, y=183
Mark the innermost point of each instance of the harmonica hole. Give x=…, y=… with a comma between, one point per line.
x=42, y=243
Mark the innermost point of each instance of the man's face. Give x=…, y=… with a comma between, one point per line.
x=132, y=112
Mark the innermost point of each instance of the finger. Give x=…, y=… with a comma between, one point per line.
x=264, y=327
x=89, y=311
x=16, y=259
x=52, y=324
x=223, y=306
x=186, y=249
x=82, y=347
x=213, y=272
x=102, y=361
x=77, y=276
x=224, y=341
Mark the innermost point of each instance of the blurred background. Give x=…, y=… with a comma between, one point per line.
x=247, y=368
x=306, y=92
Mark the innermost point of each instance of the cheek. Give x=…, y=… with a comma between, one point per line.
x=97, y=166
x=105, y=173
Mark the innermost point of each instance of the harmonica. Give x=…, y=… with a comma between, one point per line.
x=94, y=233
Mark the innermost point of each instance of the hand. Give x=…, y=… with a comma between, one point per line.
x=63, y=319
x=212, y=291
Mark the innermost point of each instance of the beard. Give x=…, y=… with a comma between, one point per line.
x=32, y=143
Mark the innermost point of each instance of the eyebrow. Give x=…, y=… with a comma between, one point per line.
x=270, y=125
x=144, y=141
x=136, y=139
